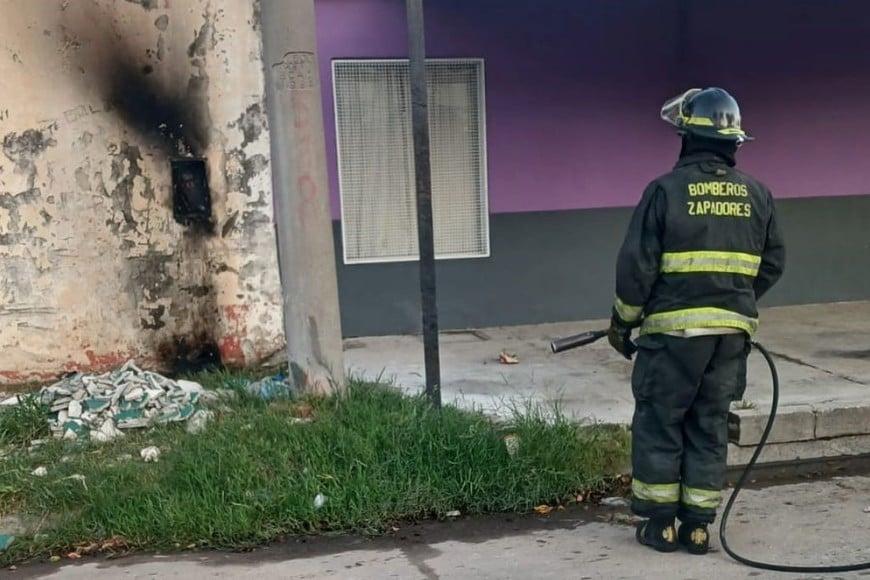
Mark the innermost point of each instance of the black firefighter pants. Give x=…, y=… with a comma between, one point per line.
x=683, y=388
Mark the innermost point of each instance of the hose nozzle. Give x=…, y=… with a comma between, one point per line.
x=577, y=340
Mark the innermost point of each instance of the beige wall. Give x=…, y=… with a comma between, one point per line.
x=93, y=268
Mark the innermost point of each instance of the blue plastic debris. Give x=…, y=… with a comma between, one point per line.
x=270, y=388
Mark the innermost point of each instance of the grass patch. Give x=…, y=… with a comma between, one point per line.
x=378, y=457
x=744, y=405
x=22, y=423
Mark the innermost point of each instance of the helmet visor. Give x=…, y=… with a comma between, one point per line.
x=673, y=111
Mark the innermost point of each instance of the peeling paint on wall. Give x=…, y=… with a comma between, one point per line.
x=93, y=268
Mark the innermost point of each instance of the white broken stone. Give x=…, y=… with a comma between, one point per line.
x=40, y=471
x=106, y=432
x=78, y=477
x=134, y=394
x=615, y=502
x=150, y=454
x=75, y=409
x=130, y=397
x=189, y=387
x=9, y=401
x=198, y=422
x=319, y=501
x=512, y=443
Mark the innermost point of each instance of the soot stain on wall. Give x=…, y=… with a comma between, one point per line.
x=252, y=123
x=146, y=4
x=24, y=149
x=171, y=286
x=240, y=171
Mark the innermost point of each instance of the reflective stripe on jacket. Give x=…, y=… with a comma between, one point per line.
x=702, y=247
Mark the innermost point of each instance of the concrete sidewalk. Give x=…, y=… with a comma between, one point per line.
x=822, y=354
x=816, y=523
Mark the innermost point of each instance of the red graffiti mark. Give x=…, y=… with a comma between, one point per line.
x=236, y=313
x=107, y=360
x=308, y=190
x=305, y=184
x=301, y=110
x=235, y=321
x=231, y=350
x=16, y=377
x=97, y=363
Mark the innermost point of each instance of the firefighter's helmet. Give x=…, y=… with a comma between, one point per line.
x=710, y=112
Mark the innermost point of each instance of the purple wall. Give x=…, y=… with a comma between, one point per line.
x=573, y=91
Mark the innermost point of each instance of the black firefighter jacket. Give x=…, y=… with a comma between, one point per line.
x=702, y=247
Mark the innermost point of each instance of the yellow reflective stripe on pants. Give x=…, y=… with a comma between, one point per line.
x=697, y=318
x=710, y=261
x=702, y=498
x=656, y=492
x=627, y=312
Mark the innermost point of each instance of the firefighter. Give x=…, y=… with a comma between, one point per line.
x=703, y=245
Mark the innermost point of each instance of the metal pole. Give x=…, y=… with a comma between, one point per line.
x=420, y=123
x=306, y=251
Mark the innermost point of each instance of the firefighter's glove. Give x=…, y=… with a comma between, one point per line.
x=619, y=336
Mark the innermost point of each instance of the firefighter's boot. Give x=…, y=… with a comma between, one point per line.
x=695, y=537
x=658, y=533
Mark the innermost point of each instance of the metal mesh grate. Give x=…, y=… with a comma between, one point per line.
x=376, y=159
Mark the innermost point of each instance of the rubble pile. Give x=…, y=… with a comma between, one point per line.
x=103, y=406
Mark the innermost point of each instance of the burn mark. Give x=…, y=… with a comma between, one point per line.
x=167, y=116
x=240, y=170
x=125, y=170
x=252, y=221
x=254, y=165
x=17, y=230
x=150, y=278
x=168, y=122
x=84, y=140
x=229, y=225
x=146, y=4
x=198, y=291
x=23, y=150
x=203, y=41
x=155, y=318
x=252, y=123
x=189, y=355
x=250, y=271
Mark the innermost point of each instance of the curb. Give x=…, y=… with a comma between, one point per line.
x=800, y=432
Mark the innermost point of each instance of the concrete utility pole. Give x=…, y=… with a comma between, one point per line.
x=306, y=252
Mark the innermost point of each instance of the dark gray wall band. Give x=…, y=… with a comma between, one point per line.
x=559, y=266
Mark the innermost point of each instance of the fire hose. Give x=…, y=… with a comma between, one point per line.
x=578, y=340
